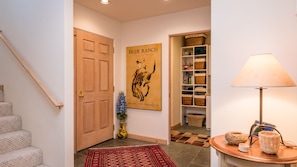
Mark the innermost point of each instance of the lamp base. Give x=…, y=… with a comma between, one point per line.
x=257, y=127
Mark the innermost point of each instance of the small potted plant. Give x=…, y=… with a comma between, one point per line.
x=121, y=110
x=122, y=107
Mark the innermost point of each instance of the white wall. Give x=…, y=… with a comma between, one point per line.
x=240, y=29
x=149, y=123
x=41, y=32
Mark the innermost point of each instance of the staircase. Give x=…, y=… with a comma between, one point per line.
x=15, y=144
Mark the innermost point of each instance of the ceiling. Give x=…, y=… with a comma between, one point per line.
x=129, y=10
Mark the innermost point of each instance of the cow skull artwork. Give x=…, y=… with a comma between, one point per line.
x=141, y=81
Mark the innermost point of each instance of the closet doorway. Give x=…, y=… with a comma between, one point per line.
x=177, y=112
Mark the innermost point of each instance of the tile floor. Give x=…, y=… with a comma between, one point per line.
x=183, y=155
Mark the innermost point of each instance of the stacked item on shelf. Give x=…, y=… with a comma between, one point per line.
x=195, y=39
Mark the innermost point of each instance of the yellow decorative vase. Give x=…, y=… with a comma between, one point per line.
x=122, y=134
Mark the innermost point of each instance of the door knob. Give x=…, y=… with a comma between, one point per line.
x=81, y=94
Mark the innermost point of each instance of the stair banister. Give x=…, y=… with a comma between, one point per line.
x=31, y=73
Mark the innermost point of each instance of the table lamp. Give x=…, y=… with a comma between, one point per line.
x=262, y=71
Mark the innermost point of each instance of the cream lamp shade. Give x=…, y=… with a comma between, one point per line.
x=263, y=70
x=260, y=71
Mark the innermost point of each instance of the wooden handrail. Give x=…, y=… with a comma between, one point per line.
x=31, y=73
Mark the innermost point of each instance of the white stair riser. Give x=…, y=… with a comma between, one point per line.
x=5, y=109
x=10, y=123
x=14, y=140
x=27, y=157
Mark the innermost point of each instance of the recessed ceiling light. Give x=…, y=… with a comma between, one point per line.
x=104, y=1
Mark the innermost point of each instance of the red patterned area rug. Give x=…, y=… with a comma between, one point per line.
x=128, y=156
x=190, y=138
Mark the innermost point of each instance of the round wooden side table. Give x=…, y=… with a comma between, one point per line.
x=230, y=156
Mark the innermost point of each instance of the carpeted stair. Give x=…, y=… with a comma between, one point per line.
x=15, y=144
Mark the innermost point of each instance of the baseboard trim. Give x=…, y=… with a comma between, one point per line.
x=148, y=139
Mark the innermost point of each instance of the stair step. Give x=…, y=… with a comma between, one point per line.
x=26, y=157
x=14, y=140
x=5, y=109
x=15, y=144
x=10, y=123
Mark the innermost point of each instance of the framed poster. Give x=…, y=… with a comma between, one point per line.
x=144, y=88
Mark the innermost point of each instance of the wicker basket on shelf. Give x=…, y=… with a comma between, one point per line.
x=200, y=63
x=200, y=78
x=187, y=99
x=195, y=39
x=200, y=100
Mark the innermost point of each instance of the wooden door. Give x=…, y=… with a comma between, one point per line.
x=93, y=89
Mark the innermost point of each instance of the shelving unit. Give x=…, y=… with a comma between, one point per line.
x=195, y=81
